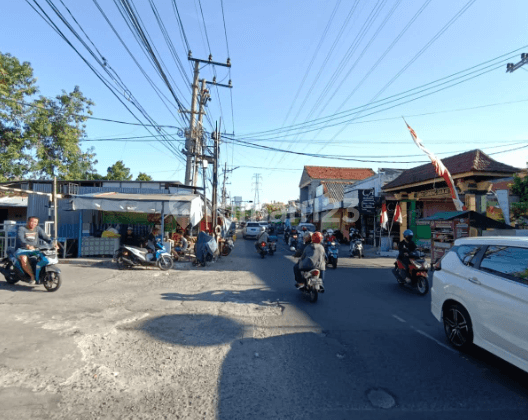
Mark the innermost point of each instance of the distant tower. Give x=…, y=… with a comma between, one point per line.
x=256, y=185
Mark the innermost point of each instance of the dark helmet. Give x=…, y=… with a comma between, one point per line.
x=408, y=234
x=317, y=237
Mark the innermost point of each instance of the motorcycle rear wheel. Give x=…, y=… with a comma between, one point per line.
x=11, y=278
x=52, y=282
x=313, y=295
x=422, y=285
x=165, y=262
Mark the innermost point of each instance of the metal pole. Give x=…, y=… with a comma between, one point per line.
x=55, y=210
x=205, y=194
x=190, y=141
x=215, y=174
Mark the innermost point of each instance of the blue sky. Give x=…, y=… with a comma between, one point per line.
x=271, y=45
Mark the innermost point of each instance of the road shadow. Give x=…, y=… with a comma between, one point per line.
x=258, y=296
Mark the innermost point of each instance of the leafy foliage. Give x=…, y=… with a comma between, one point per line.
x=143, y=177
x=520, y=187
x=118, y=172
x=40, y=138
x=16, y=84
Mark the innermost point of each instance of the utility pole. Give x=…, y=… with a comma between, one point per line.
x=192, y=137
x=510, y=67
x=199, y=147
x=215, y=172
x=224, y=188
x=190, y=140
x=55, y=211
x=256, y=184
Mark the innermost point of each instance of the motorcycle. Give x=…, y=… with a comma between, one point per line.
x=130, y=256
x=262, y=249
x=227, y=247
x=272, y=244
x=313, y=285
x=294, y=241
x=356, y=248
x=332, y=254
x=417, y=276
x=287, y=236
x=42, y=260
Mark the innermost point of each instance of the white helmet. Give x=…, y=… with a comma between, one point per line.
x=330, y=231
x=307, y=236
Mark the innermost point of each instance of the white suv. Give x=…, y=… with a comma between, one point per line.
x=480, y=293
x=252, y=229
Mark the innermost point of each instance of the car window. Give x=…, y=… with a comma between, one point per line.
x=253, y=225
x=507, y=261
x=467, y=253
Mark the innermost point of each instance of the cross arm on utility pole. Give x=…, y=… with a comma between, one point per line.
x=510, y=67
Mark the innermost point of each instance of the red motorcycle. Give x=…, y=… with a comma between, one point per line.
x=416, y=277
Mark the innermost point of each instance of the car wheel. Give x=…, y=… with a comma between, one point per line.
x=457, y=326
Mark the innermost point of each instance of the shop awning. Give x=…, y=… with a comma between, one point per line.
x=180, y=206
x=477, y=220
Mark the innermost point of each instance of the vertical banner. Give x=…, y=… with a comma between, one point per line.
x=440, y=169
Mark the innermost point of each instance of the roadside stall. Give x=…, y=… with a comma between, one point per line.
x=446, y=227
x=185, y=209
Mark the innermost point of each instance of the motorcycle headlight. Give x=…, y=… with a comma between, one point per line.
x=333, y=243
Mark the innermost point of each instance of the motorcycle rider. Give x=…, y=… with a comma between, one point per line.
x=313, y=257
x=262, y=237
x=307, y=239
x=151, y=244
x=28, y=238
x=406, y=247
x=354, y=234
x=130, y=238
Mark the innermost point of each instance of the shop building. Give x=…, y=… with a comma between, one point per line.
x=363, y=200
x=422, y=193
x=322, y=192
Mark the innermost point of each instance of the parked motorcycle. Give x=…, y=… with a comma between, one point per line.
x=129, y=256
x=313, y=285
x=356, y=248
x=417, y=275
x=43, y=262
x=332, y=254
x=227, y=247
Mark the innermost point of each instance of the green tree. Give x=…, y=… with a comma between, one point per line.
x=55, y=128
x=118, y=172
x=16, y=86
x=143, y=177
x=40, y=138
x=520, y=188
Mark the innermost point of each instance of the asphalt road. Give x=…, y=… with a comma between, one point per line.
x=236, y=340
x=380, y=353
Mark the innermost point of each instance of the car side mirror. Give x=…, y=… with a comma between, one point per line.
x=467, y=260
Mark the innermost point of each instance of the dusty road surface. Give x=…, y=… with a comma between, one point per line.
x=235, y=340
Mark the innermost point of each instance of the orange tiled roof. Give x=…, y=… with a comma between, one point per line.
x=326, y=172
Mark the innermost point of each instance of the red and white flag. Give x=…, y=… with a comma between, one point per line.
x=440, y=169
x=397, y=215
x=384, y=218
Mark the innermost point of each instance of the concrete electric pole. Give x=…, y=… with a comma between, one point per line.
x=193, y=135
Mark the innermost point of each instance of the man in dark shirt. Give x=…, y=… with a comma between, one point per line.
x=28, y=238
x=130, y=238
x=405, y=247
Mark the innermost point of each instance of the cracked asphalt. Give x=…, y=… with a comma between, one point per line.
x=236, y=340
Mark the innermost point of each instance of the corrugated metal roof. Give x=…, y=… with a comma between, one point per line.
x=13, y=202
